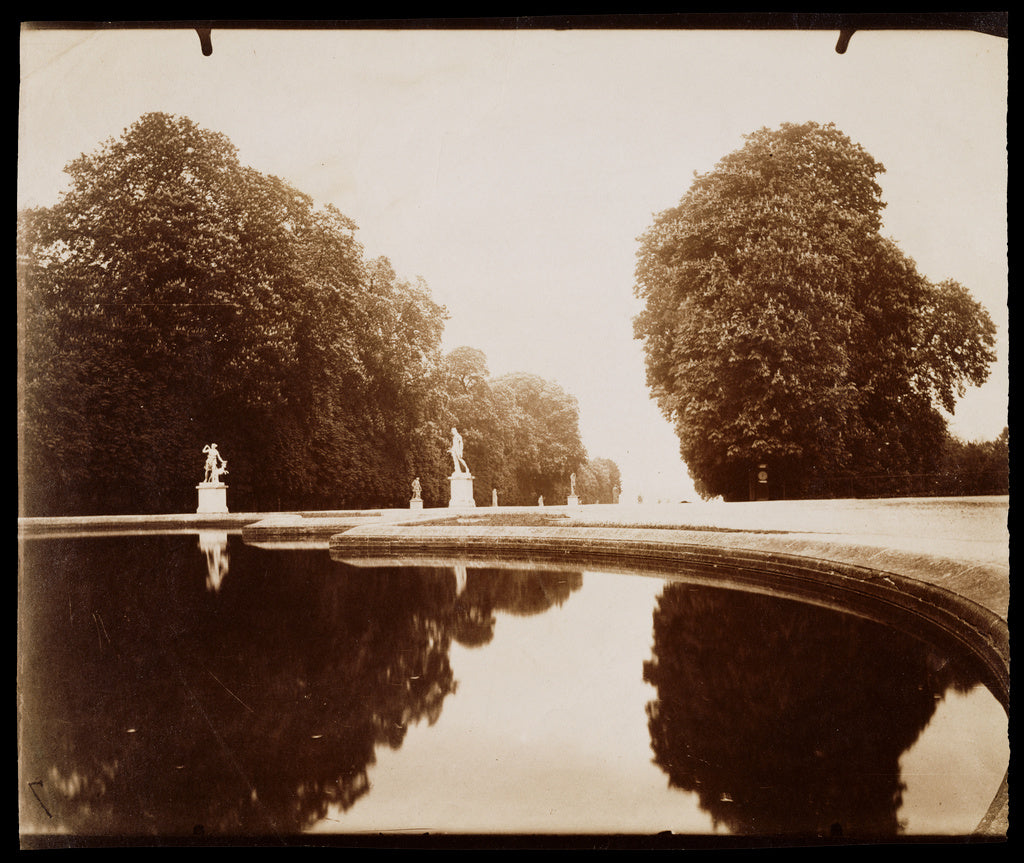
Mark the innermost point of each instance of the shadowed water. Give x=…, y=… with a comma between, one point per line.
x=184, y=685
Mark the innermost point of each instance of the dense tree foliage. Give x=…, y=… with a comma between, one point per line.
x=961, y=468
x=174, y=297
x=975, y=467
x=520, y=432
x=780, y=327
x=599, y=481
x=482, y=418
x=543, y=424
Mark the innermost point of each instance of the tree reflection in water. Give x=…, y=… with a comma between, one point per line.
x=513, y=591
x=152, y=706
x=785, y=718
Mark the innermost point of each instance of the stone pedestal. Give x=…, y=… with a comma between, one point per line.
x=462, y=491
x=573, y=500
x=213, y=497
x=416, y=503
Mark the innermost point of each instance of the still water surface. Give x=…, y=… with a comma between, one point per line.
x=175, y=685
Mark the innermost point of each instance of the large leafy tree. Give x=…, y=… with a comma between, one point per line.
x=544, y=443
x=780, y=327
x=174, y=297
x=482, y=418
x=598, y=480
x=520, y=432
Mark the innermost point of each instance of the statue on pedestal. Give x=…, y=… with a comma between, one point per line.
x=212, y=491
x=461, y=480
x=416, y=501
x=573, y=499
x=456, y=453
x=215, y=464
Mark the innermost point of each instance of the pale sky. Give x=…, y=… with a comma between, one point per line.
x=514, y=170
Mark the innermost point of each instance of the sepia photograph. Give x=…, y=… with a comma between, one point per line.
x=570, y=432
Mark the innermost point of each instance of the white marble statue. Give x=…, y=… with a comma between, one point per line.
x=572, y=484
x=417, y=489
x=215, y=464
x=456, y=451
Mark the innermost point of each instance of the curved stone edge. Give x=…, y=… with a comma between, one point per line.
x=880, y=594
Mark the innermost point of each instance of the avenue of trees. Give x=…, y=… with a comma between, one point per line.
x=174, y=297
x=780, y=328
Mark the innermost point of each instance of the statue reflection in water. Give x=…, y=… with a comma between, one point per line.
x=784, y=718
x=460, y=578
x=214, y=545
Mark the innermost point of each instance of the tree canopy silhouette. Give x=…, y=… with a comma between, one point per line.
x=174, y=297
x=779, y=326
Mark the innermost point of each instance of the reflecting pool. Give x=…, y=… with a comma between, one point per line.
x=193, y=685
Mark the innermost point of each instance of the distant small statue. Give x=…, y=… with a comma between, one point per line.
x=456, y=452
x=540, y=501
x=417, y=489
x=494, y=497
x=215, y=464
x=572, y=484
